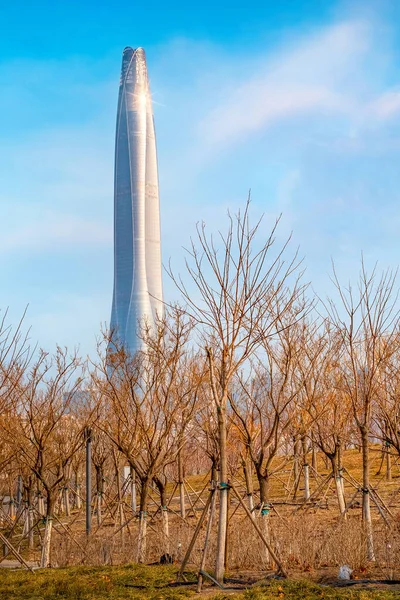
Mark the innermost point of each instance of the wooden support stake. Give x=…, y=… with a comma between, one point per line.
x=211, y=578
x=196, y=533
x=319, y=488
x=15, y=552
x=208, y=532
x=281, y=570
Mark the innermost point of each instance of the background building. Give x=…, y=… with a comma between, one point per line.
x=137, y=249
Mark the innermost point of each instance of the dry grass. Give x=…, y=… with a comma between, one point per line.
x=309, y=539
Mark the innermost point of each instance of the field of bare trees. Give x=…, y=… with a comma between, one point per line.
x=258, y=431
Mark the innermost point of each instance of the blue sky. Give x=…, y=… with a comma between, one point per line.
x=297, y=100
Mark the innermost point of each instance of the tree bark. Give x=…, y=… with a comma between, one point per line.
x=223, y=494
x=133, y=490
x=119, y=496
x=306, y=471
x=338, y=484
x=388, y=464
x=263, y=480
x=78, y=495
x=249, y=485
x=46, y=547
x=100, y=488
x=30, y=516
x=296, y=465
x=141, y=550
x=66, y=501
x=181, y=486
x=366, y=508
x=162, y=488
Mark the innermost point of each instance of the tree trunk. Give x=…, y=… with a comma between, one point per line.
x=249, y=485
x=214, y=472
x=11, y=510
x=100, y=489
x=223, y=494
x=165, y=520
x=30, y=516
x=162, y=488
x=141, y=551
x=181, y=486
x=60, y=503
x=296, y=464
x=25, y=528
x=99, y=509
x=119, y=496
x=388, y=463
x=41, y=503
x=78, y=494
x=263, y=480
x=306, y=471
x=45, y=555
x=133, y=490
x=366, y=508
x=67, y=502
x=340, y=464
x=338, y=484
x=20, y=487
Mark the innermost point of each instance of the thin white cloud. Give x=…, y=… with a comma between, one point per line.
x=317, y=74
x=385, y=106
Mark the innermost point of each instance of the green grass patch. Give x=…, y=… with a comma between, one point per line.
x=139, y=582
x=305, y=590
x=92, y=583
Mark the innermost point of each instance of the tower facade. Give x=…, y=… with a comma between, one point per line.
x=138, y=295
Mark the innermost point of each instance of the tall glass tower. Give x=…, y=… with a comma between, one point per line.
x=138, y=295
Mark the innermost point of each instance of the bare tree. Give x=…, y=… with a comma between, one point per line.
x=238, y=291
x=263, y=404
x=387, y=405
x=45, y=430
x=330, y=416
x=366, y=319
x=151, y=398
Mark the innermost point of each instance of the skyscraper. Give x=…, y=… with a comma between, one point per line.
x=137, y=293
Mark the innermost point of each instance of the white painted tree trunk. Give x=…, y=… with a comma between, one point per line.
x=223, y=495
x=165, y=519
x=41, y=504
x=78, y=496
x=133, y=491
x=11, y=510
x=141, y=554
x=306, y=481
x=366, y=507
x=26, y=521
x=266, y=531
x=340, y=496
x=249, y=487
x=45, y=556
x=181, y=486
x=31, y=517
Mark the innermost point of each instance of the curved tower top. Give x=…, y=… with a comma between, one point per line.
x=138, y=297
